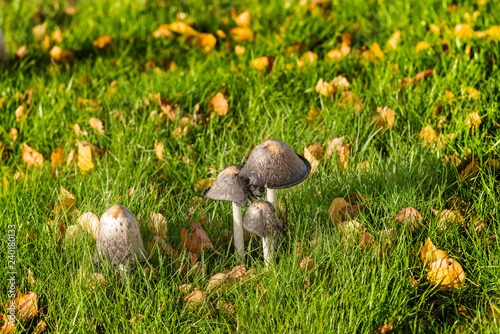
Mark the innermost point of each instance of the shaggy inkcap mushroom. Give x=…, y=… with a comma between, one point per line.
x=261, y=219
x=227, y=187
x=274, y=164
x=119, y=239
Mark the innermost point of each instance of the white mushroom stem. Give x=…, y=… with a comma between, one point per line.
x=271, y=196
x=267, y=247
x=239, y=243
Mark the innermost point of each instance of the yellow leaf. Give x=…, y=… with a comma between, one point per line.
x=102, y=41
x=182, y=28
x=448, y=217
x=219, y=104
x=463, y=31
x=59, y=54
x=84, y=159
x=385, y=119
x=446, y=273
x=261, y=63
x=206, y=41
x=376, y=50
x=340, y=83
x=471, y=93
x=162, y=31
x=335, y=55
x=244, y=19
x=307, y=58
x=221, y=33
x=306, y=264
x=494, y=33
x=159, y=150
x=324, y=88
x=97, y=125
x=473, y=120
x=345, y=49
x=57, y=35
x=20, y=112
x=239, y=50
x=428, y=134
x=435, y=29
x=313, y=116
x=203, y=184
x=158, y=224
x=240, y=34
x=39, y=31
x=13, y=134
x=313, y=154
x=335, y=207
x=427, y=252
x=31, y=157
x=421, y=46
x=57, y=158
x=66, y=201
x=393, y=41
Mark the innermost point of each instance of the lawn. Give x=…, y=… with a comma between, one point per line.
x=143, y=102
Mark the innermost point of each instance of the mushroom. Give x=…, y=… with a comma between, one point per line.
x=119, y=239
x=273, y=164
x=261, y=219
x=227, y=187
x=4, y=58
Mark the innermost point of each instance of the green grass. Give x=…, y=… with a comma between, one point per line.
x=351, y=289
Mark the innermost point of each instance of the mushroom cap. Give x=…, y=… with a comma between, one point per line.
x=261, y=219
x=227, y=187
x=274, y=164
x=119, y=238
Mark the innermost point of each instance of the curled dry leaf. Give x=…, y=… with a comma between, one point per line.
x=58, y=54
x=158, y=224
x=203, y=184
x=244, y=19
x=262, y=63
x=386, y=328
x=313, y=154
x=162, y=31
x=57, y=158
x=349, y=212
x=41, y=326
x=427, y=251
x=102, y=41
x=162, y=245
x=420, y=76
x=90, y=223
x=240, y=34
x=239, y=50
x=20, y=112
x=195, y=242
x=307, y=58
x=195, y=299
x=97, y=125
x=31, y=157
x=306, y=264
x=219, y=104
x=216, y=282
x=448, y=217
x=409, y=217
x=78, y=130
x=421, y=46
x=84, y=158
x=366, y=240
x=13, y=134
x=25, y=306
x=335, y=207
x=429, y=135
x=159, y=150
x=340, y=83
x=393, y=41
x=324, y=88
x=385, y=118
x=6, y=326
x=314, y=116
x=473, y=121
x=66, y=202
x=463, y=31
x=446, y=273
x=71, y=155
x=350, y=230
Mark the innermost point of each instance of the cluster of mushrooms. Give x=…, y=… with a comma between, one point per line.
x=272, y=163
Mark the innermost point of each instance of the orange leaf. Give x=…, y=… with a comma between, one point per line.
x=162, y=31
x=219, y=104
x=31, y=157
x=59, y=54
x=240, y=34
x=244, y=19
x=25, y=306
x=57, y=158
x=102, y=41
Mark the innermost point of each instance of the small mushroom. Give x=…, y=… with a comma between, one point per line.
x=261, y=219
x=4, y=58
x=227, y=187
x=274, y=164
x=119, y=239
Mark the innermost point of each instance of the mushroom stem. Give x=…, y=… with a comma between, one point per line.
x=267, y=247
x=271, y=196
x=239, y=243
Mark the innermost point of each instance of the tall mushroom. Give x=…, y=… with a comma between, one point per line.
x=274, y=164
x=261, y=219
x=227, y=187
x=119, y=239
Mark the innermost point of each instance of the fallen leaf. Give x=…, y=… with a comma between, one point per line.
x=261, y=63
x=448, y=217
x=366, y=240
x=203, y=184
x=6, y=326
x=90, y=223
x=324, y=88
x=393, y=41
x=20, y=112
x=470, y=93
x=420, y=76
x=41, y=326
x=162, y=31
x=446, y=273
x=57, y=158
x=244, y=19
x=70, y=158
x=216, y=282
x=307, y=59
x=78, y=130
x=84, y=158
x=473, y=120
x=59, y=54
x=182, y=28
x=184, y=288
x=219, y=104
x=31, y=157
x=57, y=36
x=39, y=31
x=203, y=238
x=162, y=245
x=421, y=46
x=340, y=83
x=226, y=308
x=427, y=252
x=22, y=52
x=158, y=224
x=313, y=116
x=72, y=233
x=336, y=146
x=409, y=217
x=335, y=55
x=428, y=134
x=350, y=230
x=313, y=154
x=239, y=50
x=30, y=278
x=97, y=125
x=335, y=207
x=306, y=264
x=25, y=306
x=206, y=41
x=463, y=31
x=240, y=34
x=102, y=41
x=159, y=150
x=195, y=299
x=387, y=328
x=385, y=119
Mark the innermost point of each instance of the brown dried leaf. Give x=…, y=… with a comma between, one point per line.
x=447, y=218
x=25, y=306
x=159, y=150
x=59, y=54
x=216, y=282
x=226, y=308
x=387, y=328
x=335, y=207
x=6, y=327
x=409, y=217
x=158, y=224
x=350, y=230
x=262, y=63
x=324, y=88
x=31, y=157
x=195, y=299
x=306, y=264
x=385, y=119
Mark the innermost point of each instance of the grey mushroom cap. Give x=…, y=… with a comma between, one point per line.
x=227, y=187
x=274, y=164
x=119, y=239
x=261, y=219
